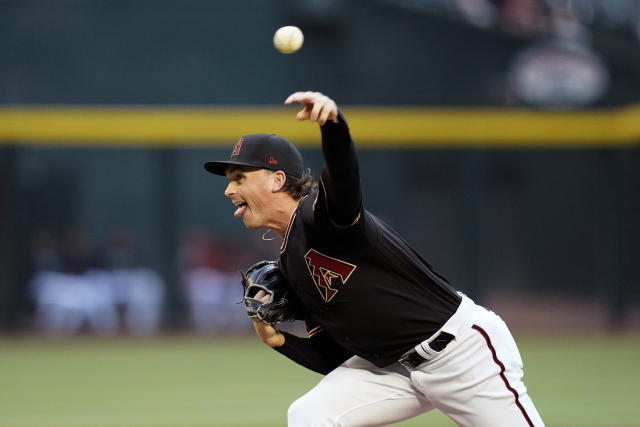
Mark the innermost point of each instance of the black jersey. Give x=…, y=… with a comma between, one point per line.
x=360, y=283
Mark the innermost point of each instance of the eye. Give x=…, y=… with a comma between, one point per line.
x=236, y=177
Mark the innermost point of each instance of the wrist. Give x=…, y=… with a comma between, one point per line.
x=268, y=334
x=274, y=341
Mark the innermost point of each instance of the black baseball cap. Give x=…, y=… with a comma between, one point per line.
x=265, y=151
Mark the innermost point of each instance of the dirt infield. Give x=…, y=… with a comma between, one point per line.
x=538, y=313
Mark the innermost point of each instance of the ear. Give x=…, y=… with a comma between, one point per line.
x=279, y=178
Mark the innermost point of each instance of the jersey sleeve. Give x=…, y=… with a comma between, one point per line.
x=318, y=353
x=340, y=182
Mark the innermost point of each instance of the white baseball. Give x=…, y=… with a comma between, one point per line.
x=288, y=39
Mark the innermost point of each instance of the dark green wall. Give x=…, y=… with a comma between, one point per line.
x=559, y=221
x=551, y=220
x=220, y=52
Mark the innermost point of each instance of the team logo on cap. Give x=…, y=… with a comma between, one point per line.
x=236, y=149
x=324, y=269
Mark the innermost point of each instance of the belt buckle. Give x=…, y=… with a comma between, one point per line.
x=412, y=360
x=404, y=361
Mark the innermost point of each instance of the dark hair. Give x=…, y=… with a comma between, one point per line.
x=299, y=187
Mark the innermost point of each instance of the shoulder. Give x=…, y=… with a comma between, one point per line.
x=307, y=206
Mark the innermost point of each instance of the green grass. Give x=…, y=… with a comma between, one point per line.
x=190, y=382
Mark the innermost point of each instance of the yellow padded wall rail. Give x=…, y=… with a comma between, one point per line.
x=371, y=126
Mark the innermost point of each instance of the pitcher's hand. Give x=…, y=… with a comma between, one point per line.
x=316, y=107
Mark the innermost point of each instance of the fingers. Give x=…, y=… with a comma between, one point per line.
x=330, y=113
x=317, y=107
x=305, y=113
x=301, y=97
x=263, y=297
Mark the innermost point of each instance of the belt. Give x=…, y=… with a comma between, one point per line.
x=413, y=359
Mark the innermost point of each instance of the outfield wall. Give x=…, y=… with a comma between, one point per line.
x=511, y=210
x=109, y=109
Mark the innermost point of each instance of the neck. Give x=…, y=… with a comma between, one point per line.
x=282, y=214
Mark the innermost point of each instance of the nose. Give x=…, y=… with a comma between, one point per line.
x=229, y=190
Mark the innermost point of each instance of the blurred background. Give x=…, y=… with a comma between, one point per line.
x=500, y=137
x=537, y=201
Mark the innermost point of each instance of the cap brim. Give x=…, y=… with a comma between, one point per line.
x=220, y=167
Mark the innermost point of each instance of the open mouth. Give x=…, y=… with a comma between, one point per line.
x=242, y=207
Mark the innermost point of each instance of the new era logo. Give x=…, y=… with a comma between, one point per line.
x=272, y=160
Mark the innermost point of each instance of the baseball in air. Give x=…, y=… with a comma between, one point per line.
x=288, y=39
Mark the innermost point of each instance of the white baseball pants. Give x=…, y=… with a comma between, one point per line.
x=476, y=381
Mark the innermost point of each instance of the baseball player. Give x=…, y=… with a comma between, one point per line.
x=393, y=338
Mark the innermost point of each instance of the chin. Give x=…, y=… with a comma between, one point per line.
x=252, y=226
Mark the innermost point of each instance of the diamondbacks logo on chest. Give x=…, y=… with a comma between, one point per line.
x=324, y=269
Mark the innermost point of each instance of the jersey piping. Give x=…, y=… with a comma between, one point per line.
x=283, y=247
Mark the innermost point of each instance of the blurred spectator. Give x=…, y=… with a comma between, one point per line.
x=138, y=291
x=77, y=254
x=523, y=17
x=481, y=13
x=44, y=251
x=212, y=285
x=72, y=293
x=562, y=70
x=72, y=290
x=527, y=17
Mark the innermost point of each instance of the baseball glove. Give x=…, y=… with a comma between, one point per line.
x=276, y=304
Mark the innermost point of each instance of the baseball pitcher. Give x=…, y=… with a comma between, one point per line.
x=393, y=337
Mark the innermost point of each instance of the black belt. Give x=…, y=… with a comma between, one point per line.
x=413, y=359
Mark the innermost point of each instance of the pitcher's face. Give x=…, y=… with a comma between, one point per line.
x=250, y=190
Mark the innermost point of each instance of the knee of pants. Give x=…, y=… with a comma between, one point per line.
x=305, y=412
